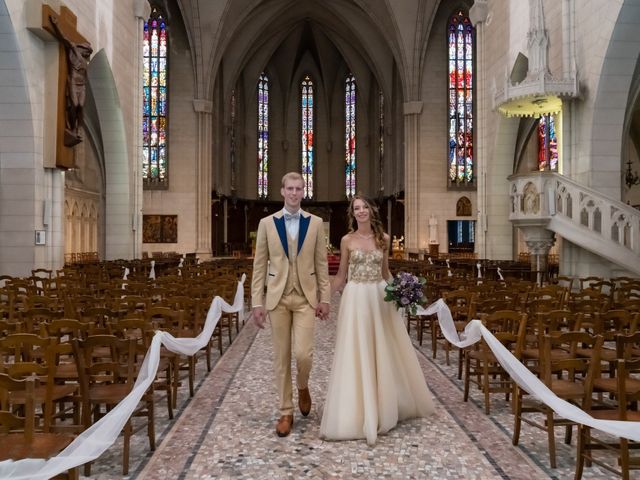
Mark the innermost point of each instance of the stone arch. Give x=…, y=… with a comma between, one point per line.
x=277, y=36
x=95, y=218
x=68, y=229
x=84, y=228
x=463, y=207
x=118, y=189
x=75, y=228
x=19, y=162
x=610, y=106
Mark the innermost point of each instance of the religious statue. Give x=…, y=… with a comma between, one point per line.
x=531, y=200
x=397, y=243
x=78, y=55
x=433, y=229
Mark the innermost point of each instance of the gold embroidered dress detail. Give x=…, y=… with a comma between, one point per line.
x=365, y=266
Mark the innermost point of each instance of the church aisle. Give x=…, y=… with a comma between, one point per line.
x=227, y=429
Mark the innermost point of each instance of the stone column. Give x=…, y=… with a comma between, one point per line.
x=478, y=15
x=411, y=112
x=539, y=240
x=141, y=11
x=204, y=109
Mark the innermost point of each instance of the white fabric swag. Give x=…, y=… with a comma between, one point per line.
x=93, y=442
x=475, y=330
x=100, y=436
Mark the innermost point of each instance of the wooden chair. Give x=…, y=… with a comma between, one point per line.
x=100, y=316
x=586, y=282
x=108, y=381
x=33, y=318
x=627, y=348
x=19, y=436
x=142, y=332
x=588, y=444
x=171, y=321
x=566, y=282
x=546, y=323
x=567, y=384
x=64, y=330
x=481, y=365
x=8, y=328
x=610, y=325
x=129, y=303
x=25, y=354
x=462, y=306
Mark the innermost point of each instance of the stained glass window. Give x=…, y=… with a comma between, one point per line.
x=263, y=135
x=547, y=143
x=461, y=157
x=154, y=115
x=307, y=135
x=350, y=134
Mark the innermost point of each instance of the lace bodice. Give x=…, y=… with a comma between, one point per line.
x=365, y=265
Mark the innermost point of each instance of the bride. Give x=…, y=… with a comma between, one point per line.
x=375, y=379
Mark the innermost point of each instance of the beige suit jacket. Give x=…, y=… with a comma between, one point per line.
x=271, y=261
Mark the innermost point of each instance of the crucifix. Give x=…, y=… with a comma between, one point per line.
x=74, y=54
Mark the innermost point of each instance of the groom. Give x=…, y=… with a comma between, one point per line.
x=291, y=259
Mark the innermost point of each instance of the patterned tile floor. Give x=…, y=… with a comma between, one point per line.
x=227, y=430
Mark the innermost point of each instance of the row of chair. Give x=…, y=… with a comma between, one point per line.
x=85, y=365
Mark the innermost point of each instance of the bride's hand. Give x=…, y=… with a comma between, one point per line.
x=322, y=310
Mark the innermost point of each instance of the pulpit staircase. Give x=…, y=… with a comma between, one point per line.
x=583, y=216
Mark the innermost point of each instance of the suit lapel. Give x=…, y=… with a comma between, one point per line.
x=282, y=233
x=302, y=231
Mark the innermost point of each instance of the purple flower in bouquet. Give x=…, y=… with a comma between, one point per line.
x=405, y=290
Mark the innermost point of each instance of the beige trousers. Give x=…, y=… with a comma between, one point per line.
x=292, y=323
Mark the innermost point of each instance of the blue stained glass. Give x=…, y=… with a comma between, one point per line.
x=162, y=101
x=146, y=108
x=350, y=136
x=145, y=132
x=154, y=109
x=307, y=134
x=263, y=136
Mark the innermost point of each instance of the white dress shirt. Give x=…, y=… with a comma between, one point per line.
x=292, y=222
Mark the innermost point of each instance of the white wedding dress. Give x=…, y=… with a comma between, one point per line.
x=375, y=380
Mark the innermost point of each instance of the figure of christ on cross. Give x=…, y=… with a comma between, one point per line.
x=78, y=55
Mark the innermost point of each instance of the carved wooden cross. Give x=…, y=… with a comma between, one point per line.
x=71, y=84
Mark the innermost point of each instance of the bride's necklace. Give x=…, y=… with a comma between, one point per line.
x=366, y=237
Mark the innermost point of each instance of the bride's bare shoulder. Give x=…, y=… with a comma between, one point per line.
x=346, y=239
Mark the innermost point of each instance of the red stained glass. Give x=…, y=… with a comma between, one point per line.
x=460, y=110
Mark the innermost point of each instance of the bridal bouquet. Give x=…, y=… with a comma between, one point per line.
x=405, y=290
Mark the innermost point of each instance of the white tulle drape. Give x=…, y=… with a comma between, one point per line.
x=91, y=443
x=100, y=436
x=474, y=331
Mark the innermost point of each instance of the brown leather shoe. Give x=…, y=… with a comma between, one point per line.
x=304, y=401
x=283, y=427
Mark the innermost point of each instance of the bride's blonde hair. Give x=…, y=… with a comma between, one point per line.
x=374, y=217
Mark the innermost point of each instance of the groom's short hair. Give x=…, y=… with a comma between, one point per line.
x=292, y=176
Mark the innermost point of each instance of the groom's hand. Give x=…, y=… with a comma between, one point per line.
x=322, y=310
x=259, y=316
